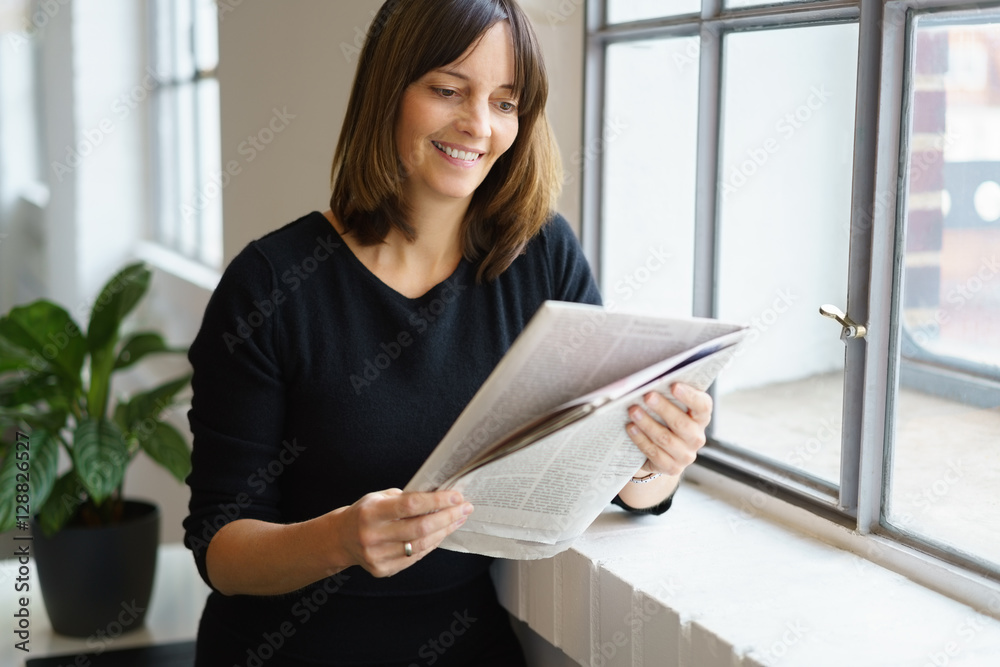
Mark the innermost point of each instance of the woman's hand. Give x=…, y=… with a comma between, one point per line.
x=252, y=557
x=672, y=447
x=376, y=529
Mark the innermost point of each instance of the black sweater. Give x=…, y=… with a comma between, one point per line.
x=315, y=384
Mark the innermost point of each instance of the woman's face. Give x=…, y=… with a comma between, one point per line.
x=456, y=121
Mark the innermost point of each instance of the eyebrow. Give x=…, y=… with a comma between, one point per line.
x=459, y=75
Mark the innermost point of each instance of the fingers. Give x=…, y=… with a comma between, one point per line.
x=429, y=541
x=673, y=445
x=677, y=422
x=416, y=504
x=386, y=521
x=665, y=452
x=422, y=528
x=699, y=403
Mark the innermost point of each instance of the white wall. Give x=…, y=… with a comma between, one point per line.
x=287, y=57
x=19, y=163
x=93, y=54
x=560, y=28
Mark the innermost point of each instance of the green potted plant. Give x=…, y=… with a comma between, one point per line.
x=95, y=550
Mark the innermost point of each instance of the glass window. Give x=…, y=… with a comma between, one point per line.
x=753, y=161
x=649, y=147
x=784, y=197
x=187, y=173
x=945, y=465
x=622, y=11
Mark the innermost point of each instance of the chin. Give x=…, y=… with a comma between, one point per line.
x=456, y=192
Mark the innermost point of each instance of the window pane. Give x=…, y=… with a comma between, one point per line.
x=209, y=157
x=187, y=164
x=649, y=146
x=945, y=465
x=784, y=213
x=621, y=11
x=188, y=205
x=166, y=168
x=182, y=37
x=163, y=42
x=206, y=35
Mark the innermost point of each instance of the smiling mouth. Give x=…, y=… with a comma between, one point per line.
x=458, y=155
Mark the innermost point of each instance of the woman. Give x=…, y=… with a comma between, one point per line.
x=338, y=350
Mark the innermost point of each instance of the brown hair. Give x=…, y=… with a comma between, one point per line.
x=409, y=38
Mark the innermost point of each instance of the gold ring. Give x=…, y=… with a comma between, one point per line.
x=408, y=548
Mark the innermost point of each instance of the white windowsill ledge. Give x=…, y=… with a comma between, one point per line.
x=711, y=584
x=178, y=265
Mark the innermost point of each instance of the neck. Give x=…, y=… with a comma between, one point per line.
x=438, y=229
x=412, y=268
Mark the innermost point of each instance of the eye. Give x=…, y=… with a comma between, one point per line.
x=507, y=106
x=446, y=93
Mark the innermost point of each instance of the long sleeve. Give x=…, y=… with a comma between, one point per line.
x=237, y=412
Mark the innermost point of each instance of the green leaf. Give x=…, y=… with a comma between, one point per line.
x=9, y=416
x=8, y=489
x=36, y=394
x=47, y=333
x=102, y=363
x=120, y=418
x=117, y=299
x=100, y=457
x=25, y=482
x=16, y=358
x=168, y=447
x=140, y=345
x=26, y=387
x=50, y=422
x=151, y=404
x=44, y=466
x=66, y=497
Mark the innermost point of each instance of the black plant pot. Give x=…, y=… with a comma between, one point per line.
x=98, y=581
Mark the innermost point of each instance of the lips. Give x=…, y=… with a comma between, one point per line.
x=465, y=156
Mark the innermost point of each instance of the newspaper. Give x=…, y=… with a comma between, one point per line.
x=541, y=449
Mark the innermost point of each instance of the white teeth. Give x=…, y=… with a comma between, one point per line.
x=458, y=155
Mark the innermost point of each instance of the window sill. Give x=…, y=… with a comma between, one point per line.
x=178, y=265
x=716, y=582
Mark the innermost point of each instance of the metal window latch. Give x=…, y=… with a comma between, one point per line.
x=851, y=329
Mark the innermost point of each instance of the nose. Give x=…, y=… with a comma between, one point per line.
x=475, y=119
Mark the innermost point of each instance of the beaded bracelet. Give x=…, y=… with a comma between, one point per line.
x=648, y=478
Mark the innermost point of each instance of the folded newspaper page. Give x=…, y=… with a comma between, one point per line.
x=541, y=449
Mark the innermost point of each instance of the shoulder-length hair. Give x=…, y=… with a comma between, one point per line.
x=408, y=39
